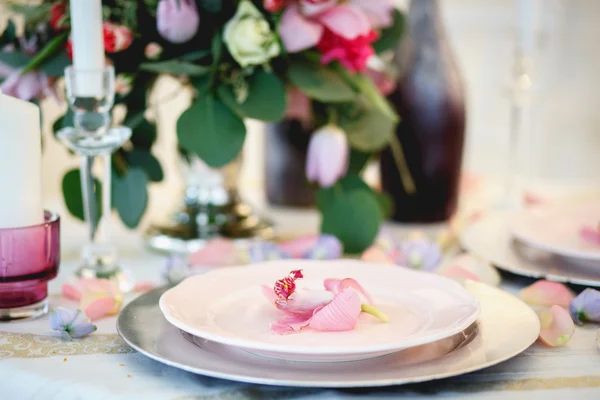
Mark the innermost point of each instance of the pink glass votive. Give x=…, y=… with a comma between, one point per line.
x=29, y=258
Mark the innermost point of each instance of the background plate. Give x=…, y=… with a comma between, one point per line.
x=506, y=327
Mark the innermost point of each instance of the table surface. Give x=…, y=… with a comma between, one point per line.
x=36, y=364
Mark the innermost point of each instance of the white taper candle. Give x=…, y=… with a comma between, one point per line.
x=88, y=45
x=20, y=164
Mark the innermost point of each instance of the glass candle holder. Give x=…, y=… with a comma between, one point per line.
x=29, y=258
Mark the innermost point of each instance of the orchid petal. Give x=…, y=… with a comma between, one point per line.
x=269, y=294
x=339, y=285
x=289, y=324
x=376, y=254
x=216, y=252
x=285, y=287
x=586, y=306
x=339, y=315
x=557, y=326
x=304, y=302
x=297, y=32
x=590, y=235
x=546, y=293
x=346, y=21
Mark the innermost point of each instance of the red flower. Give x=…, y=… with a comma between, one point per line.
x=69, y=49
x=351, y=53
x=273, y=5
x=116, y=37
x=58, y=16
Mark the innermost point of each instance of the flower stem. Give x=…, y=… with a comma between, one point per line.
x=374, y=311
x=398, y=153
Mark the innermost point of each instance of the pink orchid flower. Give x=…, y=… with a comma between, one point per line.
x=333, y=310
x=547, y=293
x=557, y=327
x=98, y=297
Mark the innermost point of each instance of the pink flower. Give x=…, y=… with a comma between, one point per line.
x=327, y=158
x=335, y=309
x=32, y=85
x=379, y=12
x=153, y=50
x=351, y=53
x=98, y=297
x=547, y=293
x=557, y=327
x=177, y=20
x=273, y=5
x=116, y=37
x=58, y=16
x=314, y=7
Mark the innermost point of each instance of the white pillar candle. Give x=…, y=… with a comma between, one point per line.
x=20, y=164
x=88, y=46
x=528, y=21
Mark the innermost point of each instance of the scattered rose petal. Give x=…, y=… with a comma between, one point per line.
x=547, y=293
x=591, y=235
x=557, y=326
x=472, y=267
x=531, y=199
x=376, y=254
x=142, y=287
x=99, y=297
x=70, y=323
x=216, y=252
x=96, y=308
x=586, y=306
x=339, y=315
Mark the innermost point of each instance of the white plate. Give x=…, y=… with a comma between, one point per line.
x=227, y=306
x=556, y=229
x=506, y=327
x=491, y=238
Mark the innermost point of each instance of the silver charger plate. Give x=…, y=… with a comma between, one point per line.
x=491, y=238
x=506, y=328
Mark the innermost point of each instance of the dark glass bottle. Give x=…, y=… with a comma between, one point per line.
x=285, y=153
x=429, y=99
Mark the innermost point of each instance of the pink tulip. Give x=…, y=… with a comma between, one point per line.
x=557, y=327
x=177, y=20
x=547, y=293
x=29, y=86
x=327, y=159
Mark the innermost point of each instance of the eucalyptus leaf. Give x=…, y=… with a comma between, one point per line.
x=130, y=195
x=175, y=67
x=71, y=188
x=56, y=65
x=358, y=161
x=194, y=55
x=390, y=37
x=351, y=212
x=147, y=162
x=369, y=130
x=14, y=59
x=212, y=131
x=320, y=83
x=266, y=99
x=144, y=134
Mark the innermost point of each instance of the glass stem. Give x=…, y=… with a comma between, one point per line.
x=87, y=192
x=106, y=198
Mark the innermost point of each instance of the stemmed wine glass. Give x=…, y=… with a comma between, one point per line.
x=91, y=95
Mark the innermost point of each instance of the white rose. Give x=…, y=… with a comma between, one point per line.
x=249, y=38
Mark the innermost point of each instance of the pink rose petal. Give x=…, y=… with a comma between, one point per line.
x=531, y=199
x=339, y=285
x=590, y=235
x=339, y=315
x=546, y=293
x=346, y=21
x=376, y=254
x=216, y=252
x=71, y=291
x=297, y=32
x=557, y=326
x=99, y=308
x=142, y=287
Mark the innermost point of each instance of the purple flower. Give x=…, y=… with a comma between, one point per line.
x=328, y=247
x=421, y=254
x=265, y=251
x=29, y=86
x=177, y=20
x=71, y=323
x=586, y=306
x=327, y=159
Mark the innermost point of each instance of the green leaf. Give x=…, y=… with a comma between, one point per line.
x=212, y=131
x=320, y=83
x=130, y=196
x=14, y=59
x=266, y=97
x=390, y=37
x=372, y=94
x=350, y=212
x=175, y=67
x=194, y=55
x=147, y=162
x=71, y=188
x=143, y=135
x=358, y=161
x=216, y=49
x=51, y=48
x=56, y=65
x=10, y=33
x=369, y=130
x=386, y=204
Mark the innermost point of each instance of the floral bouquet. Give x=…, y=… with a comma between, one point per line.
x=318, y=61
